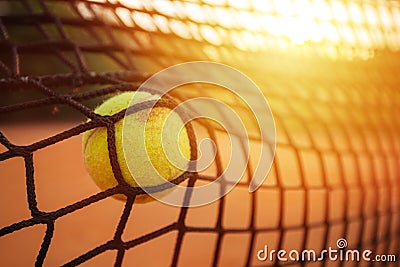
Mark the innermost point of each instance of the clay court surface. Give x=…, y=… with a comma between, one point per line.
x=61, y=179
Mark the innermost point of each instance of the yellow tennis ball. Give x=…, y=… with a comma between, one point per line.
x=95, y=146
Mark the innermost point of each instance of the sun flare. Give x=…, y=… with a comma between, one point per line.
x=334, y=28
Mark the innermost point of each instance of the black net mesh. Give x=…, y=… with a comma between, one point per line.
x=335, y=104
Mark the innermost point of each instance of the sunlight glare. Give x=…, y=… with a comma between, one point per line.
x=195, y=12
x=355, y=13
x=322, y=11
x=385, y=17
x=264, y=6
x=125, y=16
x=284, y=8
x=303, y=8
x=225, y=17
x=353, y=27
x=371, y=15
x=145, y=21
x=163, y=6
x=211, y=35
x=340, y=11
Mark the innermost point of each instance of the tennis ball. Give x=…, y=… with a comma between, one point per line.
x=142, y=163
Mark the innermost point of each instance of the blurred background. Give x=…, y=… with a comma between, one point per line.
x=328, y=68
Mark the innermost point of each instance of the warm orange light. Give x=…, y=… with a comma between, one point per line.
x=333, y=26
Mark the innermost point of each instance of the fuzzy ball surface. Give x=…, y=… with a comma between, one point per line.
x=151, y=165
